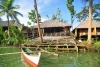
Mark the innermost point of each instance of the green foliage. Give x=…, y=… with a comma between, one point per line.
x=83, y=14
x=70, y=6
x=71, y=9
x=57, y=15
x=1, y=35
x=32, y=16
x=7, y=8
x=97, y=44
x=15, y=39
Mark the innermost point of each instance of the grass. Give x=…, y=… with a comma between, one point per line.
x=96, y=43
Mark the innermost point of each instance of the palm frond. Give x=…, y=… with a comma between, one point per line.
x=2, y=13
x=18, y=13
x=15, y=7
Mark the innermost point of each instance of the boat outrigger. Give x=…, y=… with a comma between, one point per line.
x=31, y=57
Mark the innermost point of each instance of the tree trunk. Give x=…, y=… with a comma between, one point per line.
x=8, y=26
x=90, y=23
x=37, y=19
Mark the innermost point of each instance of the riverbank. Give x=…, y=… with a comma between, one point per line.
x=94, y=47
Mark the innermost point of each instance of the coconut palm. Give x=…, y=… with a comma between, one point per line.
x=7, y=8
x=71, y=9
x=83, y=14
x=90, y=22
x=89, y=40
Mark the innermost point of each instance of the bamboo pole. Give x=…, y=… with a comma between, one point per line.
x=10, y=53
x=37, y=19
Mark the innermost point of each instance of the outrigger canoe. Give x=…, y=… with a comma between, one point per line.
x=31, y=57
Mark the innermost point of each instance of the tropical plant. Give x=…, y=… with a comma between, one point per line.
x=89, y=40
x=1, y=35
x=90, y=23
x=15, y=39
x=84, y=13
x=57, y=15
x=32, y=16
x=71, y=9
x=37, y=19
x=7, y=8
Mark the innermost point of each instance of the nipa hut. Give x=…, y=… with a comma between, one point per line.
x=53, y=27
x=82, y=29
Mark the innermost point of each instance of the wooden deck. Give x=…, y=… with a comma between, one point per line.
x=59, y=47
x=57, y=43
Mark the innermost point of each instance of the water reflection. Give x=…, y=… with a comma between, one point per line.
x=71, y=60
x=65, y=59
x=12, y=60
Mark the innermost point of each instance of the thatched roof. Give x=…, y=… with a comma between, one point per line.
x=11, y=22
x=53, y=23
x=26, y=29
x=84, y=24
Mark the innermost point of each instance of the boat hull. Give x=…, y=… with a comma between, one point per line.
x=32, y=61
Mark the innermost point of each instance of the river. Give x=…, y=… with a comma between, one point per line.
x=65, y=59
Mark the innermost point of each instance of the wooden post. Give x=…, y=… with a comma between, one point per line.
x=95, y=31
x=75, y=32
x=37, y=19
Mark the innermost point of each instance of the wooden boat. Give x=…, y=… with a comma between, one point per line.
x=31, y=57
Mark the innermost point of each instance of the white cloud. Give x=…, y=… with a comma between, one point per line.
x=44, y=19
x=42, y=4
x=27, y=5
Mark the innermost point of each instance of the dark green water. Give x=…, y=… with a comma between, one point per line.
x=64, y=59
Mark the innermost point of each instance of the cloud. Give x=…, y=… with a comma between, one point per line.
x=27, y=5
x=44, y=19
x=42, y=4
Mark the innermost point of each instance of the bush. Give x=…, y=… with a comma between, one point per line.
x=15, y=39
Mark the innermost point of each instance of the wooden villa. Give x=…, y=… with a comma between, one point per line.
x=4, y=24
x=53, y=27
x=81, y=30
x=25, y=30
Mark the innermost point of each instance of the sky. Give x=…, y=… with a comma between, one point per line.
x=48, y=7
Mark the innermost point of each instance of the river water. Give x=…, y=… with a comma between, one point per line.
x=65, y=59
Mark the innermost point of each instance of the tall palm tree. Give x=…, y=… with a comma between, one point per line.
x=37, y=19
x=7, y=8
x=71, y=10
x=90, y=22
x=89, y=40
x=83, y=14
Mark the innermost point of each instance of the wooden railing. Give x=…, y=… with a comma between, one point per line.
x=98, y=33
x=55, y=34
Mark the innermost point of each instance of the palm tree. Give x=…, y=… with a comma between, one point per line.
x=89, y=40
x=7, y=8
x=83, y=14
x=71, y=9
x=90, y=23
x=37, y=19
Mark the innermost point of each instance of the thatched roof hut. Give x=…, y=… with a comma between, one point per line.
x=11, y=22
x=84, y=24
x=53, y=23
x=54, y=26
x=82, y=29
